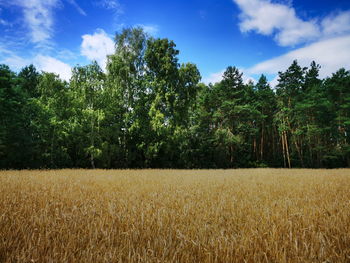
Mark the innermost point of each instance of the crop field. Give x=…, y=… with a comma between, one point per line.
x=248, y=215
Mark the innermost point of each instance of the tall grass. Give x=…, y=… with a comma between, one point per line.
x=263, y=215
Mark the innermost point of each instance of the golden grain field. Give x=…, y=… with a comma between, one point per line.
x=249, y=215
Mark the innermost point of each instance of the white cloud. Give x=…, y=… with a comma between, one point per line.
x=218, y=76
x=247, y=78
x=336, y=24
x=331, y=54
x=79, y=9
x=149, y=29
x=38, y=16
x=66, y=54
x=4, y=22
x=53, y=65
x=44, y=63
x=327, y=39
x=10, y=58
x=274, y=82
x=267, y=18
x=282, y=22
x=97, y=46
x=113, y=5
x=15, y=62
x=214, y=77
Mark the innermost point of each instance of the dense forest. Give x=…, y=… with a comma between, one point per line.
x=148, y=111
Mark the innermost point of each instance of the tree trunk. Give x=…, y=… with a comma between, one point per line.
x=52, y=146
x=283, y=150
x=92, y=144
x=92, y=161
x=254, y=147
x=262, y=143
x=299, y=153
x=287, y=149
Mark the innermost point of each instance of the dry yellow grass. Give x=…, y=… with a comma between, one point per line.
x=262, y=215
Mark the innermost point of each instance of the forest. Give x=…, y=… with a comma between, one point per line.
x=149, y=111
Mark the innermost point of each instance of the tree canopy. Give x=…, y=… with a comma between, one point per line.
x=149, y=111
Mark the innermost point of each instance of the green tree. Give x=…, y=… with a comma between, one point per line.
x=87, y=84
x=266, y=105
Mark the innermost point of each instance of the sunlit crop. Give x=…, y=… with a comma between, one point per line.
x=263, y=215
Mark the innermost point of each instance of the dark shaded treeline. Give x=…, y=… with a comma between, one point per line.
x=150, y=111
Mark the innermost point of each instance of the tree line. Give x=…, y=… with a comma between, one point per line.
x=149, y=111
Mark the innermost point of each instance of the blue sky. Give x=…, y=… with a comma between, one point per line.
x=257, y=36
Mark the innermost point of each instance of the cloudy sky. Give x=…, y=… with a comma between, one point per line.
x=257, y=36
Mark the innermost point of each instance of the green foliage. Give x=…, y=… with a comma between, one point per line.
x=148, y=110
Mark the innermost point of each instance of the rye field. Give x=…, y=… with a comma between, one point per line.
x=247, y=215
